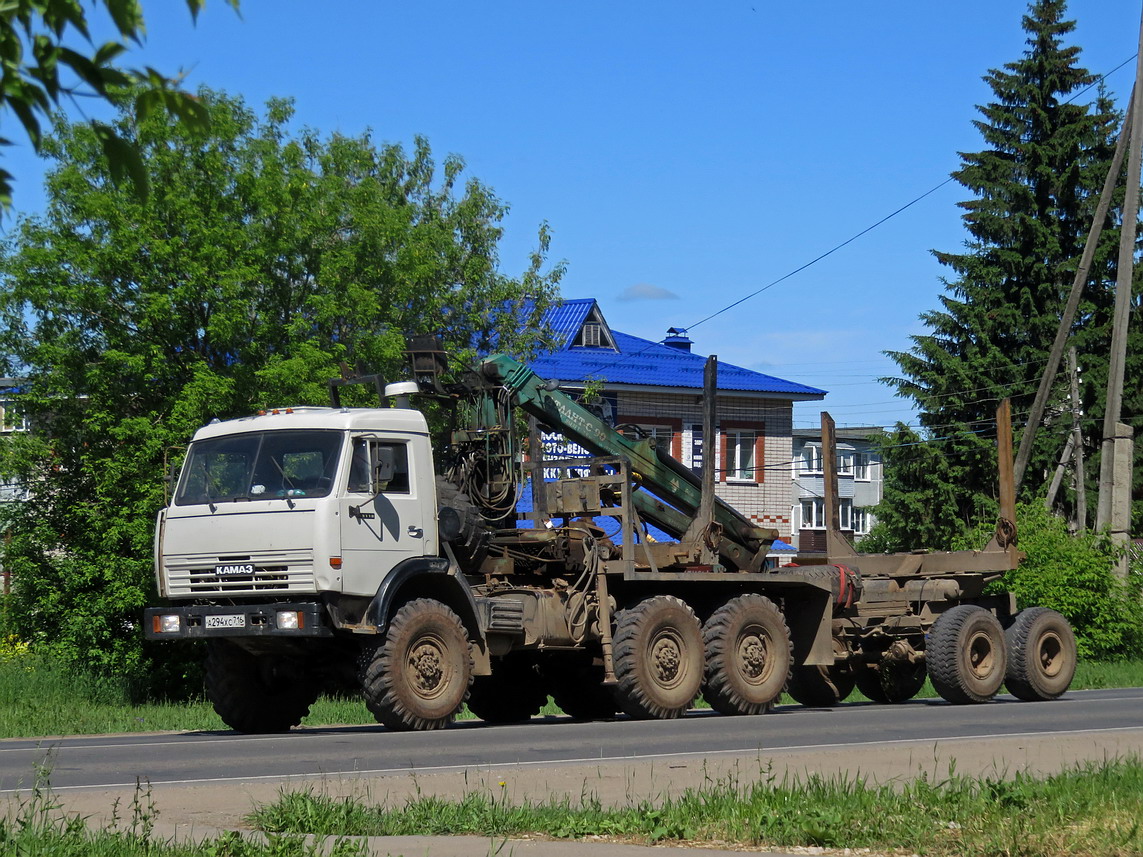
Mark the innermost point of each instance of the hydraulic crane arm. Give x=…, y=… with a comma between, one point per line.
x=664, y=477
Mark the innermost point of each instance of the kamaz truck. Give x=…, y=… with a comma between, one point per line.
x=341, y=548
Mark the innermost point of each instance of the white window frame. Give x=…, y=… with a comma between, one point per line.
x=861, y=519
x=811, y=456
x=738, y=440
x=845, y=463
x=816, y=518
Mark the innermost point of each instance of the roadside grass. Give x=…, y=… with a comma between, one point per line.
x=44, y=698
x=36, y=826
x=1093, y=809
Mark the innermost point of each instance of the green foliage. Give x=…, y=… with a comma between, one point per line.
x=263, y=260
x=41, y=67
x=1034, y=190
x=1074, y=575
x=925, y=502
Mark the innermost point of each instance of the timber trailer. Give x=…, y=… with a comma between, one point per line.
x=334, y=548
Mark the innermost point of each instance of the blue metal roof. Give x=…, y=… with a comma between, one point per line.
x=644, y=363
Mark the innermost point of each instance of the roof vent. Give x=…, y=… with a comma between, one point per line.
x=677, y=338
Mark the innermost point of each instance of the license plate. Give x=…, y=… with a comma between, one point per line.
x=230, y=620
x=238, y=568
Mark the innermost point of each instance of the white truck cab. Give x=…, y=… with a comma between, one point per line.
x=285, y=504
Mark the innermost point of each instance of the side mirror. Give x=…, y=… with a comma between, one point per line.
x=383, y=469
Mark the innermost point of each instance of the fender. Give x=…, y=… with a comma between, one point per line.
x=430, y=577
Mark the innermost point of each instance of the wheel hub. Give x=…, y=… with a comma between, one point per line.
x=667, y=658
x=980, y=655
x=752, y=656
x=1050, y=652
x=425, y=662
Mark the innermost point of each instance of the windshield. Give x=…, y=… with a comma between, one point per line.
x=260, y=466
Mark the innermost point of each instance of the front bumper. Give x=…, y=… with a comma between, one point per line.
x=303, y=619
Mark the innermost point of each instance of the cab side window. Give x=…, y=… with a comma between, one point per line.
x=364, y=452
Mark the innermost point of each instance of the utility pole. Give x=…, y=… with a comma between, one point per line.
x=1115, y=461
x=1077, y=445
x=1078, y=282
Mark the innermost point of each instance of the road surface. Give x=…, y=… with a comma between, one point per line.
x=211, y=779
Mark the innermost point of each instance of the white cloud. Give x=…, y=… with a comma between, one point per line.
x=646, y=292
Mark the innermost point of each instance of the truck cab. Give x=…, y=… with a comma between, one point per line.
x=287, y=503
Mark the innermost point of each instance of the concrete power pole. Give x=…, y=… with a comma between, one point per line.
x=1114, y=508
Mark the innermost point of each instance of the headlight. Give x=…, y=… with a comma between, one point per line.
x=168, y=624
x=289, y=620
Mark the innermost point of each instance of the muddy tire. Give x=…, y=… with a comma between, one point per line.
x=891, y=681
x=576, y=686
x=513, y=693
x=1041, y=655
x=420, y=676
x=658, y=652
x=966, y=655
x=820, y=686
x=257, y=693
x=748, y=656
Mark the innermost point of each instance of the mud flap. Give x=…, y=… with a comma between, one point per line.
x=809, y=615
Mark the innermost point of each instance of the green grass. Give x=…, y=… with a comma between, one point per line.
x=1094, y=809
x=37, y=827
x=47, y=699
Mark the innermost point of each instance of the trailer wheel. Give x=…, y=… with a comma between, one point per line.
x=1041, y=655
x=658, y=653
x=257, y=693
x=823, y=686
x=891, y=681
x=419, y=677
x=820, y=686
x=514, y=692
x=577, y=687
x=748, y=655
x=966, y=655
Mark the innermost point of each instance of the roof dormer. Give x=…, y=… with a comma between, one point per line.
x=594, y=332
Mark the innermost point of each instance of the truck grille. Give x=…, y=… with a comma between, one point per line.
x=274, y=571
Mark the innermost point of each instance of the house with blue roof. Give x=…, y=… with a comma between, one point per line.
x=656, y=389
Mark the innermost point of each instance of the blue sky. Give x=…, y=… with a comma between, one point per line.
x=684, y=155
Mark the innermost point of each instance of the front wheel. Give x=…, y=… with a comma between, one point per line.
x=257, y=693
x=658, y=658
x=966, y=655
x=1041, y=655
x=420, y=676
x=748, y=655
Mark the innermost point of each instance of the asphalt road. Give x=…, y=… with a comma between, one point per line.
x=216, y=758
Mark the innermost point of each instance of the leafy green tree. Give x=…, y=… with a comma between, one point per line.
x=1035, y=186
x=41, y=67
x=262, y=261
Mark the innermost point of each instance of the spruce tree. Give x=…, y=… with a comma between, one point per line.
x=1035, y=186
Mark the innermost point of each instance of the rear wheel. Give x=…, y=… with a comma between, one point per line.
x=748, y=655
x=658, y=658
x=419, y=677
x=1041, y=655
x=820, y=686
x=890, y=680
x=823, y=686
x=257, y=693
x=966, y=655
x=576, y=685
x=513, y=692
